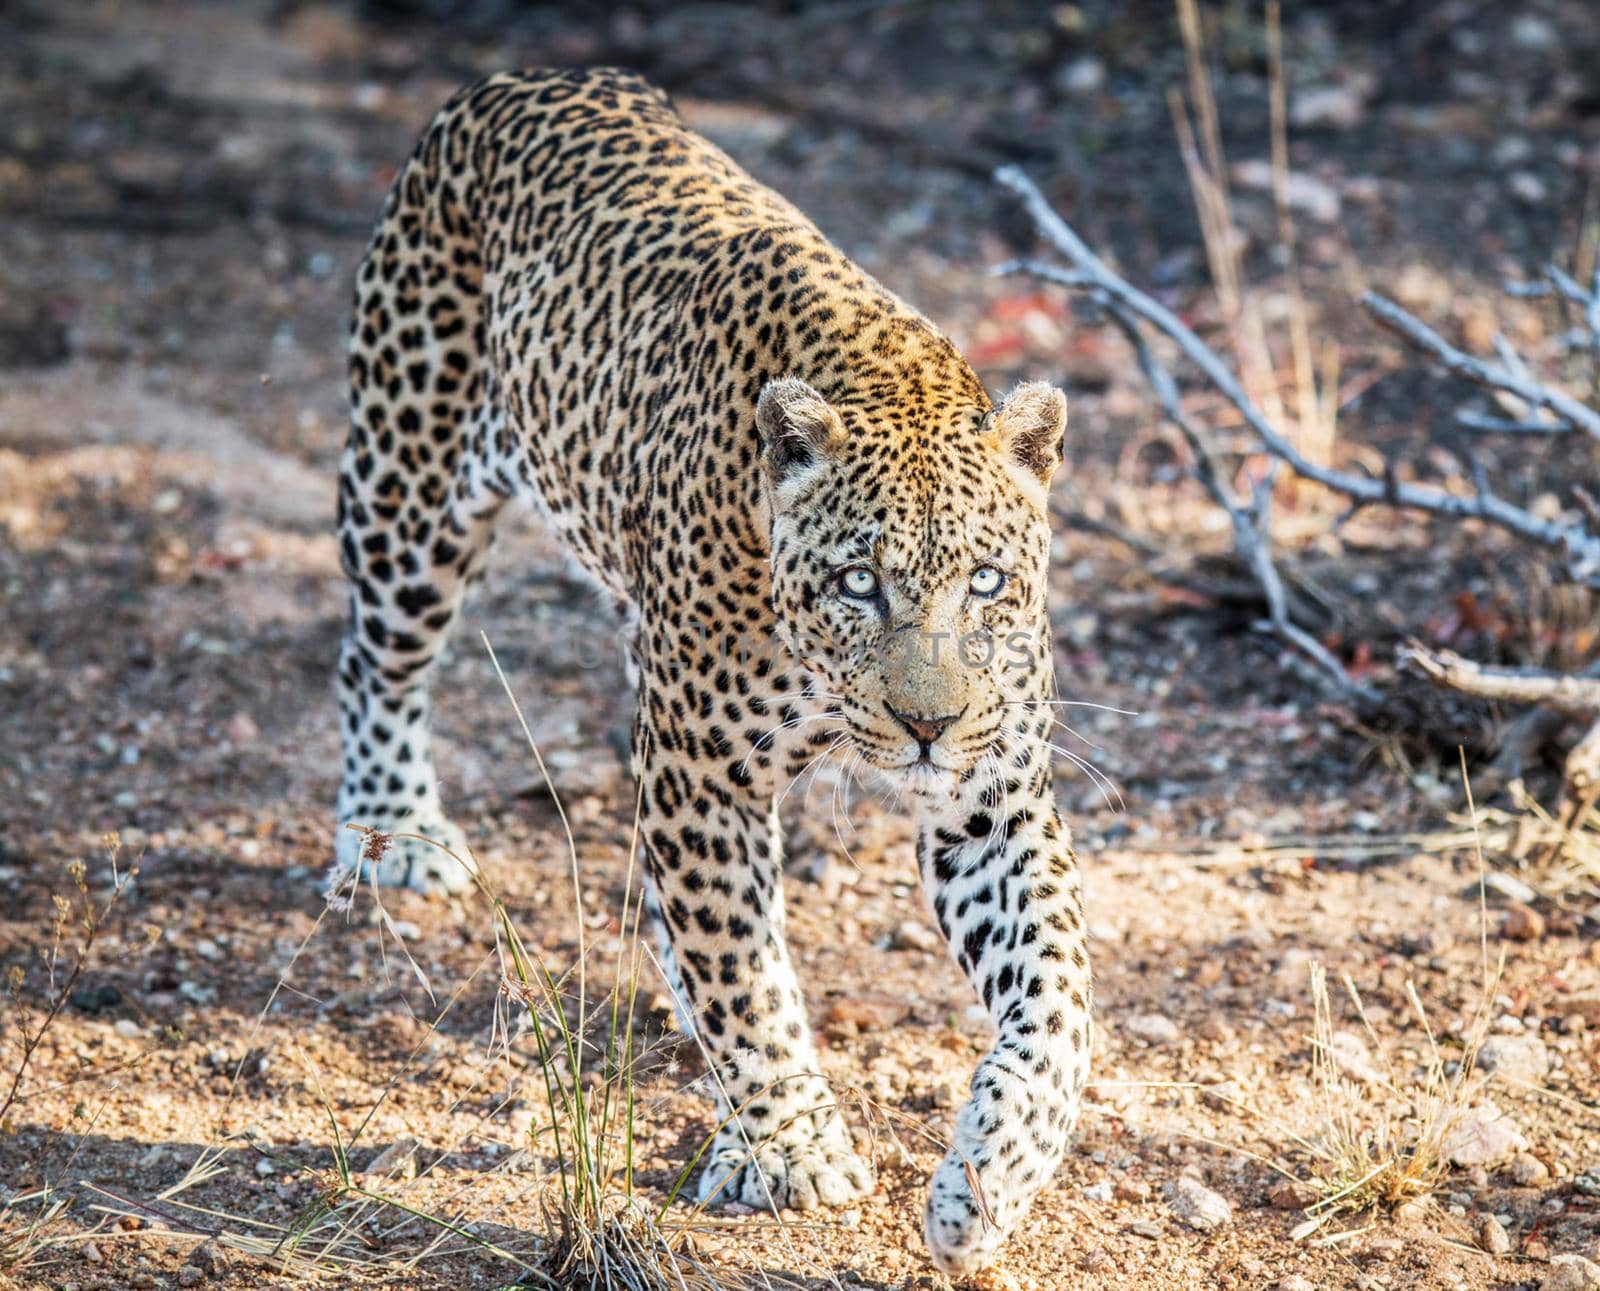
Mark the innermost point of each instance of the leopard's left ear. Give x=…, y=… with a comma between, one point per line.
x=1032, y=423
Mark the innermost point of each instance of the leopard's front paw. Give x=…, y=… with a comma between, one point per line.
x=964, y=1230
x=797, y=1172
x=429, y=867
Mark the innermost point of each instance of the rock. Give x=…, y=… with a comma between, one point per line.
x=1528, y=188
x=1292, y=1194
x=994, y=1279
x=1585, y=1005
x=1337, y=106
x=1127, y=1189
x=1506, y=885
x=1304, y=193
x=1534, y=34
x=265, y=1168
x=1294, y=1282
x=1588, y=1182
x=91, y=1252
x=1225, y=1095
x=210, y=1259
x=1152, y=1028
x=846, y=1019
x=1571, y=1273
x=242, y=729
x=1387, y=1249
x=1528, y=1171
x=1522, y=923
x=1350, y=1055
x=1518, y=1058
x=1413, y=1211
x=1101, y=1191
x=1197, y=1206
x=1492, y=1236
x=1082, y=77
x=913, y=935
x=1482, y=1136
x=399, y=1157
x=190, y=1275
x=1097, y=1260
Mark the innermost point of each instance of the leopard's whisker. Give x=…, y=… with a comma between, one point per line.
x=838, y=741
x=847, y=780
x=769, y=737
x=1074, y=703
x=1101, y=780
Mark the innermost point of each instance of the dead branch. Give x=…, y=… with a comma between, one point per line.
x=1576, y=696
x=1510, y=377
x=1252, y=537
x=1578, y=543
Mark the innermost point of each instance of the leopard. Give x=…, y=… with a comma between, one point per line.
x=825, y=542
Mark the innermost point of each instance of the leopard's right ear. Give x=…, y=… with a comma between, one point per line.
x=798, y=428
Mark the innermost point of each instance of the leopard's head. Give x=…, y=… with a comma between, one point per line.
x=909, y=560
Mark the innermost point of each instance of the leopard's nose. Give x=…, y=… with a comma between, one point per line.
x=925, y=729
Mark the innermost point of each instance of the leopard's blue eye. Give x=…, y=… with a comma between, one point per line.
x=859, y=582
x=987, y=580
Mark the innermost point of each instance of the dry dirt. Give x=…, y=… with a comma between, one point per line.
x=185, y=190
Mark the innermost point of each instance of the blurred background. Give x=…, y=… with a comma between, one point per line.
x=185, y=191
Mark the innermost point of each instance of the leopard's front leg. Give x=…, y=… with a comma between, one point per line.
x=714, y=858
x=1007, y=894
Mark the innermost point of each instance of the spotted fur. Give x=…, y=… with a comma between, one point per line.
x=830, y=545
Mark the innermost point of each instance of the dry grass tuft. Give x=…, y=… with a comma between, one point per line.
x=36, y=1223
x=1381, y=1141
x=1383, y=1136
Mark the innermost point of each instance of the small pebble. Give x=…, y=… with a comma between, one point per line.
x=1292, y=1194
x=1492, y=1236
x=1198, y=1206
x=1522, y=923
x=1152, y=1028
x=1413, y=1211
x=399, y=1157
x=1483, y=1136
x=913, y=935
x=1517, y=1058
x=1571, y=1273
x=189, y=1275
x=1528, y=1171
x=1506, y=885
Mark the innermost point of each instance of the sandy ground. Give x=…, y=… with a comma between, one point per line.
x=185, y=190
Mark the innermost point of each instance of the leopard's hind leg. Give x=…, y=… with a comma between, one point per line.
x=417, y=504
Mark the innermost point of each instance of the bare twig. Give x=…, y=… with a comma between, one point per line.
x=1574, y=695
x=1577, y=541
x=1579, y=696
x=1251, y=537
x=1508, y=376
